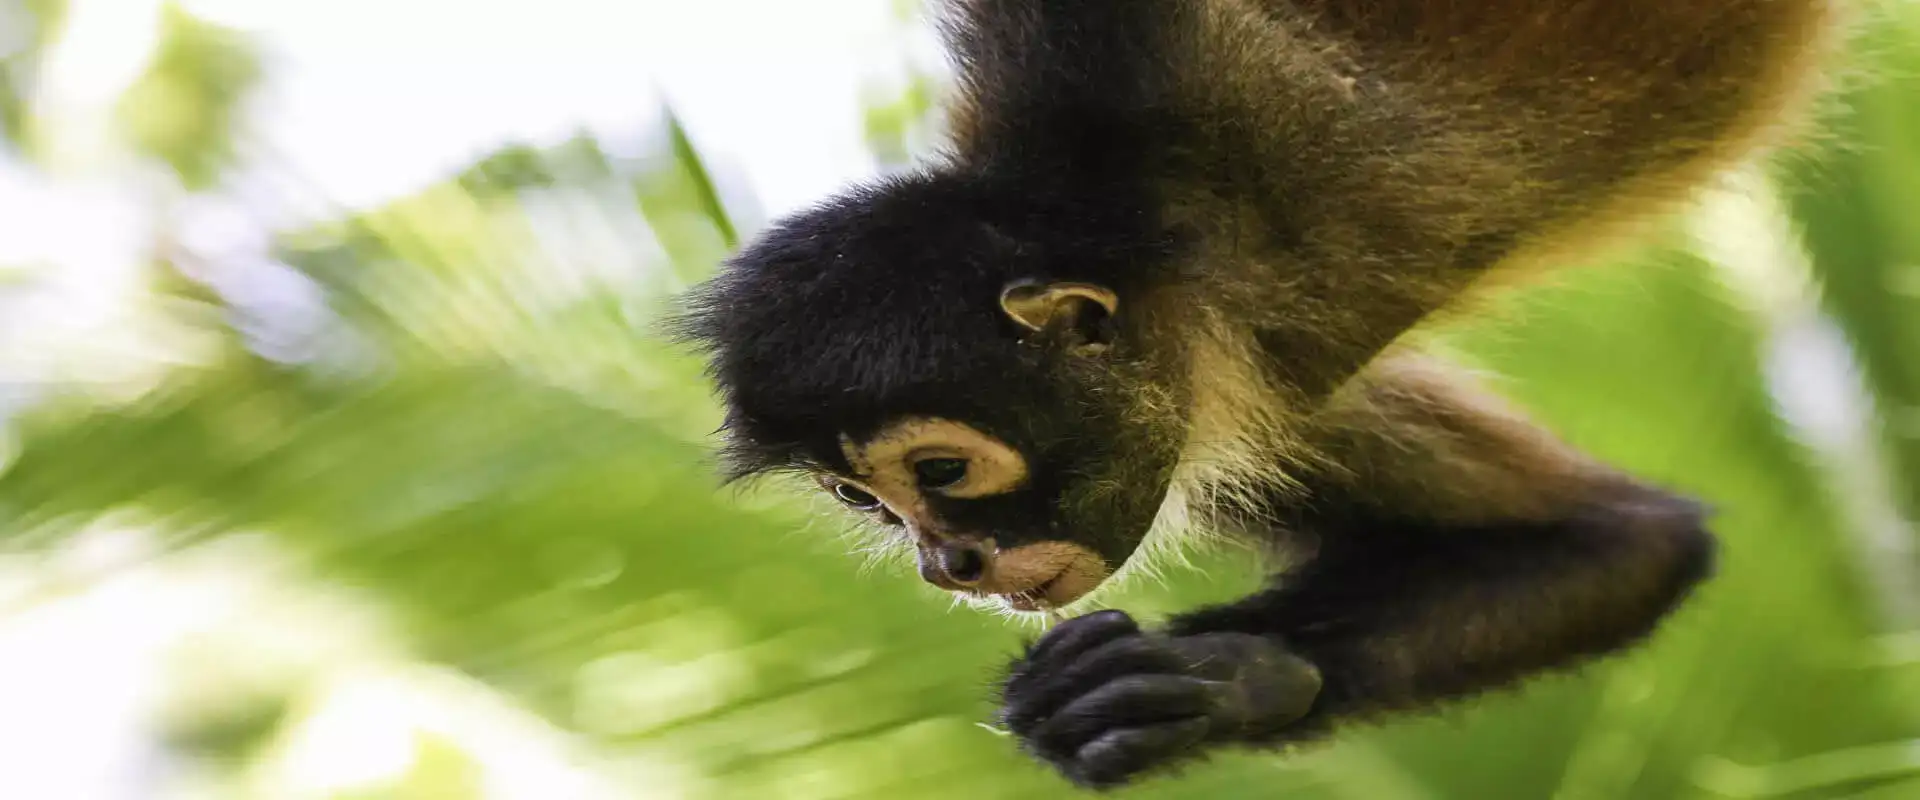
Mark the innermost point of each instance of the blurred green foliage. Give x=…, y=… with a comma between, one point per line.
x=184, y=109
x=1859, y=209
x=25, y=28
x=489, y=445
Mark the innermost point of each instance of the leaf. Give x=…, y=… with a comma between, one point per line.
x=680, y=200
x=1857, y=203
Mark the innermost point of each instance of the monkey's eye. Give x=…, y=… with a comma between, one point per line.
x=855, y=497
x=937, y=473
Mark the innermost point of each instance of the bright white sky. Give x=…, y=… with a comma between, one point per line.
x=378, y=96
x=373, y=98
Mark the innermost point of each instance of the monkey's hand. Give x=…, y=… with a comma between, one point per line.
x=1102, y=701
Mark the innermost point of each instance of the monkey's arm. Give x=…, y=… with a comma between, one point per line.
x=1459, y=549
x=1462, y=549
x=1401, y=612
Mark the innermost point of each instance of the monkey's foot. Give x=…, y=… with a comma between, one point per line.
x=1104, y=702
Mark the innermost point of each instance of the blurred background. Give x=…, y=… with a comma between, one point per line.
x=339, y=459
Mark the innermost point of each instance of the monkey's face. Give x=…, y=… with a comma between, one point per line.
x=966, y=502
x=1024, y=472
x=1038, y=495
x=956, y=372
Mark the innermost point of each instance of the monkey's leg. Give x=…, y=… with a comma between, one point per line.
x=1459, y=549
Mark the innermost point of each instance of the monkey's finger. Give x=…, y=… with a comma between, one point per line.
x=1043, y=692
x=1129, y=702
x=1080, y=634
x=1121, y=754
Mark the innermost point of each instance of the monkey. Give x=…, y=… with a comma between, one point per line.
x=1169, y=272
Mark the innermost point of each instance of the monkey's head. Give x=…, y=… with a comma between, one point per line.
x=959, y=365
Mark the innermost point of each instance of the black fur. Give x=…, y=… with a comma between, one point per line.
x=889, y=295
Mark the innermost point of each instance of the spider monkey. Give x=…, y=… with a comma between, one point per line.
x=1164, y=272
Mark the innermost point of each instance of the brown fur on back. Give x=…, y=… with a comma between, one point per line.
x=1395, y=149
x=1355, y=168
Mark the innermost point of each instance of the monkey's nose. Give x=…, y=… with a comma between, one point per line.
x=954, y=565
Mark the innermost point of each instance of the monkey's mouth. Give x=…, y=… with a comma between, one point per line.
x=1039, y=598
x=1041, y=576
x=1068, y=583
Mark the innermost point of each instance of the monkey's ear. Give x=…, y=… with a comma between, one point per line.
x=1082, y=309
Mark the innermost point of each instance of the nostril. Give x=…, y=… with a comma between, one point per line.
x=964, y=563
